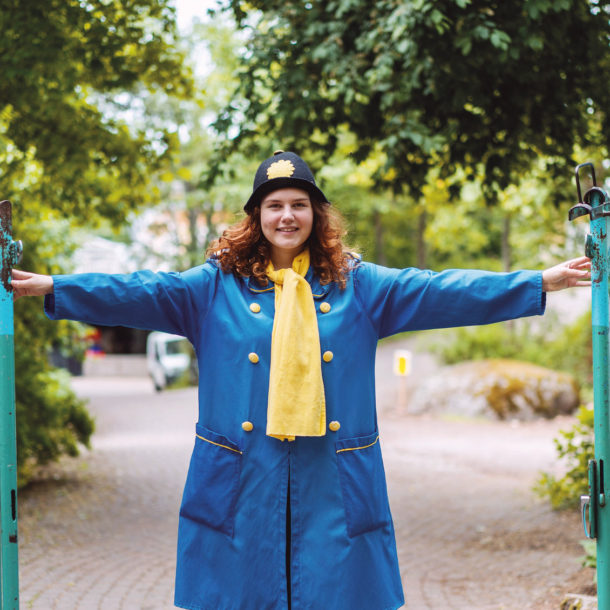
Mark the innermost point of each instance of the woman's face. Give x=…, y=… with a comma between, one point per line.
x=286, y=221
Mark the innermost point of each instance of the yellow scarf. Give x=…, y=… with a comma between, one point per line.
x=296, y=404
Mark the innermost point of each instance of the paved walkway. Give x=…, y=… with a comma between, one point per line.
x=99, y=532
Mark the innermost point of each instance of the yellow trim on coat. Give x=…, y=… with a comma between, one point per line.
x=265, y=290
x=356, y=448
x=207, y=440
x=273, y=287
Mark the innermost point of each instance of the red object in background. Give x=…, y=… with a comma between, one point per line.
x=94, y=338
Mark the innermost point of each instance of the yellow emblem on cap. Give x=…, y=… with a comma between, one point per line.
x=280, y=169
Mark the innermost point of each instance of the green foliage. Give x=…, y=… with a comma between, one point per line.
x=64, y=65
x=70, y=72
x=487, y=86
x=575, y=447
x=567, y=349
x=380, y=225
x=206, y=209
x=52, y=421
x=460, y=229
x=590, y=558
x=439, y=108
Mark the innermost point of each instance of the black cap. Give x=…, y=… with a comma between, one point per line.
x=283, y=170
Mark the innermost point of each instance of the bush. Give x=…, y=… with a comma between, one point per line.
x=568, y=350
x=51, y=420
x=589, y=560
x=575, y=447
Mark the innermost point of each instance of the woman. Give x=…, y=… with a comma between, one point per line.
x=285, y=503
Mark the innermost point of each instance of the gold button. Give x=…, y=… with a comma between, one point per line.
x=334, y=425
x=327, y=356
x=253, y=357
x=247, y=426
x=255, y=307
x=277, y=152
x=325, y=307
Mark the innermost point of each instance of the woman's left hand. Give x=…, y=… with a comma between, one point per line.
x=575, y=272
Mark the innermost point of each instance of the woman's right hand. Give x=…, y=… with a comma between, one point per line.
x=26, y=284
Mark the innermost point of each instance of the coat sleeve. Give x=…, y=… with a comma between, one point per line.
x=398, y=300
x=171, y=302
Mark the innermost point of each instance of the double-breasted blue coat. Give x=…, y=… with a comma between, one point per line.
x=232, y=539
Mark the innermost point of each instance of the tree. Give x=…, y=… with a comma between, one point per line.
x=64, y=65
x=68, y=158
x=449, y=83
x=191, y=214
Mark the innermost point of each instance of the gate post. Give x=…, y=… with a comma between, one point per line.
x=9, y=561
x=596, y=506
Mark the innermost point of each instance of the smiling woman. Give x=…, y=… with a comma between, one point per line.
x=286, y=222
x=286, y=485
x=287, y=212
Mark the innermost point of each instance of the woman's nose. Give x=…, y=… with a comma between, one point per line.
x=287, y=213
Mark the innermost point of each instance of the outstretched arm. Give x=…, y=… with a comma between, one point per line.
x=398, y=300
x=26, y=284
x=171, y=302
x=575, y=272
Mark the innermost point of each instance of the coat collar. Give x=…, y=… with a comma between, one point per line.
x=318, y=290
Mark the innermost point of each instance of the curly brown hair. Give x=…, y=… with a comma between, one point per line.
x=243, y=250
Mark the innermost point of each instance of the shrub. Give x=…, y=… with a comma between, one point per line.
x=568, y=349
x=575, y=447
x=51, y=419
x=589, y=560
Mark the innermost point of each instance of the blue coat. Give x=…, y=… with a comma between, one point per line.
x=233, y=527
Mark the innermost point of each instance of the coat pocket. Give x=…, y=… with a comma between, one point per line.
x=363, y=484
x=212, y=483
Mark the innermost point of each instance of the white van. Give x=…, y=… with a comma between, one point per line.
x=167, y=358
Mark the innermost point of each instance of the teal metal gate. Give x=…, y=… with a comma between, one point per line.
x=595, y=506
x=9, y=560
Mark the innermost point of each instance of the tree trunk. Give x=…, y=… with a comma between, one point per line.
x=193, y=246
x=506, y=250
x=211, y=227
x=506, y=258
x=379, y=249
x=421, y=240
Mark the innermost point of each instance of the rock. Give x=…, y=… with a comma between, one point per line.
x=501, y=389
x=579, y=602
